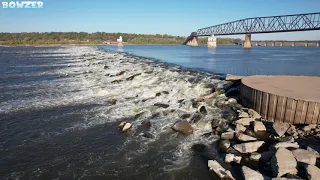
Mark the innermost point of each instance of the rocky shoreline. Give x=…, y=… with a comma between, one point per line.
x=200, y=104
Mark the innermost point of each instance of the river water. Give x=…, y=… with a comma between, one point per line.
x=235, y=59
x=57, y=121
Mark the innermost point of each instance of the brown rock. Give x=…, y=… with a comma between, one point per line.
x=243, y=114
x=219, y=170
x=245, y=121
x=305, y=156
x=248, y=147
x=250, y=174
x=245, y=138
x=227, y=135
x=283, y=162
x=183, y=127
x=292, y=131
x=240, y=128
x=258, y=126
x=313, y=172
x=280, y=128
x=254, y=114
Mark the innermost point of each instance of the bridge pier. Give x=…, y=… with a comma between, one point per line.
x=292, y=44
x=212, y=42
x=247, y=42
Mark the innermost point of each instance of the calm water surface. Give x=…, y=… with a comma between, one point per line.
x=235, y=59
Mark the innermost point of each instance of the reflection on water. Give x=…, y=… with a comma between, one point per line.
x=234, y=59
x=211, y=50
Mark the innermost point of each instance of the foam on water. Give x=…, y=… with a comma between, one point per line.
x=133, y=82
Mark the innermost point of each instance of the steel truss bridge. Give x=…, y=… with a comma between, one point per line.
x=270, y=24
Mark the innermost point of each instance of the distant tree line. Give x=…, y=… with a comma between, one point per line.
x=36, y=38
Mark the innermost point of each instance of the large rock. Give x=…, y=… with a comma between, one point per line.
x=280, y=128
x=292, y=131
x=243, y=114
x=305, y=156
x=312, y=172
x=124, y=126
x=248, y=147
x=231, y=77
x=258, y=126
x=204, y=126
x=250, y=174
x=227, y=135
x=240, y=128
x=245, y=121
x=219, y=170
x=183, y=127
x=254, y=114
x=232, y=158
x=314, y=149
x=310, y=127
x=255, y=156
x=286, y=145
x=245, y=138
x=283, y=162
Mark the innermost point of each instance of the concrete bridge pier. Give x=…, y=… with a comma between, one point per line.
x=292, y=44
x=247, y=42
x=212, y=42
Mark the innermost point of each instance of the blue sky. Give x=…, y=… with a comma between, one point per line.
x=174, y=17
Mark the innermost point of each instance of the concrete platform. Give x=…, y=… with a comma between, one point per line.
x=291, y=99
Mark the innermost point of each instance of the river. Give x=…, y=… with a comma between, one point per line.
x=263, y=60
x=58, y=114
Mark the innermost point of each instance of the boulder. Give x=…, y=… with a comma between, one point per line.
x=232, y=158
x=310, y=127
x=286, y=145
x=183, y=127
x=280, y=127
x=255, y=156
x=224, y=145
x=283, y=162
x=243, y=114
x=227, y=135
x=305, y=156
x=124, y=126
x=258, y=126
x=232, y=101
x=219, y=170
x=248, y=147
x=314, y=149
x=292, y=131
x=312, y=172
x=240, y=128
x=204, y=126
x=254, y=114
x=250, y=174
x=245, y=121
x=245, y=138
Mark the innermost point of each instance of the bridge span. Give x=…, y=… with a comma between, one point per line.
x=248, y=26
